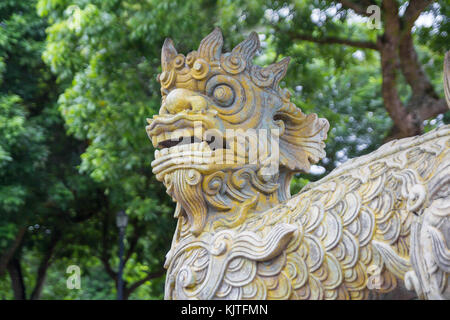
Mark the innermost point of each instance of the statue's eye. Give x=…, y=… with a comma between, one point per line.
x=224, y=95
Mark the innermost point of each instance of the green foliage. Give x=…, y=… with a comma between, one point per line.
x=106, y=55
x=78, y=80
x=41, y=189
x=338, y=82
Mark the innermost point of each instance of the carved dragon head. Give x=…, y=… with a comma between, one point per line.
x=206, y=95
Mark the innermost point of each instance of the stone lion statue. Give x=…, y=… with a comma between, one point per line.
x=228, y=142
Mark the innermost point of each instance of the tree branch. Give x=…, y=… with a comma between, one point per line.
x=424, y=102
x=359, y=8
x=411, y=68
x=43, y=266
x=6, y=257
x=406, y=123
x=334, y=40
x=108, y=268
x=412, y=12
x=133, y=240
x=430, y=108
x=137, y=284
x=17, y=283
x=409, y=62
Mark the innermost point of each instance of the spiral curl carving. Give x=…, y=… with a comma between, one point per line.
x=233, y=63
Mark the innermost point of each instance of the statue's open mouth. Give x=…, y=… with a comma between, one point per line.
x=187, y=136
x=187, y=141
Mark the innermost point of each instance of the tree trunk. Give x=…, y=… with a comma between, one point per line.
x=398, y=57
x=17, y=283
x=129, y=290
x=9, y=253
x=43, y=266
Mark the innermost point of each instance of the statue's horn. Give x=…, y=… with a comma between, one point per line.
x=270, y=76
x=278, y=70
x=168, y=53
x=248, y=47
x=447, y=77
x=211, y=46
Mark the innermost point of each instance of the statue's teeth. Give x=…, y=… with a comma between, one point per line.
x=167, y=136
x=164, y=151
x=203, y=145
x=185, y=147
x=154, y=141
x=157, y=153
x=196, y=146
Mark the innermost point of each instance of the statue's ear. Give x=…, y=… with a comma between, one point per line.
x=302, y=140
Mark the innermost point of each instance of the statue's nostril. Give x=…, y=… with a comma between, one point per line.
x=181, y=99
x=178, y=100
x=197, y=103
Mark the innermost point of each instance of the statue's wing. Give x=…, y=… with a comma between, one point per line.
x=354, y=225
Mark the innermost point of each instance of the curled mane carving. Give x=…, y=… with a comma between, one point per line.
x=301, y=136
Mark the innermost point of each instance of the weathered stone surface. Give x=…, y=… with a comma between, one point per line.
x=376, y=223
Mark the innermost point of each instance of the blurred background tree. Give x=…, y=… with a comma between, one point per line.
x=77, y=81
